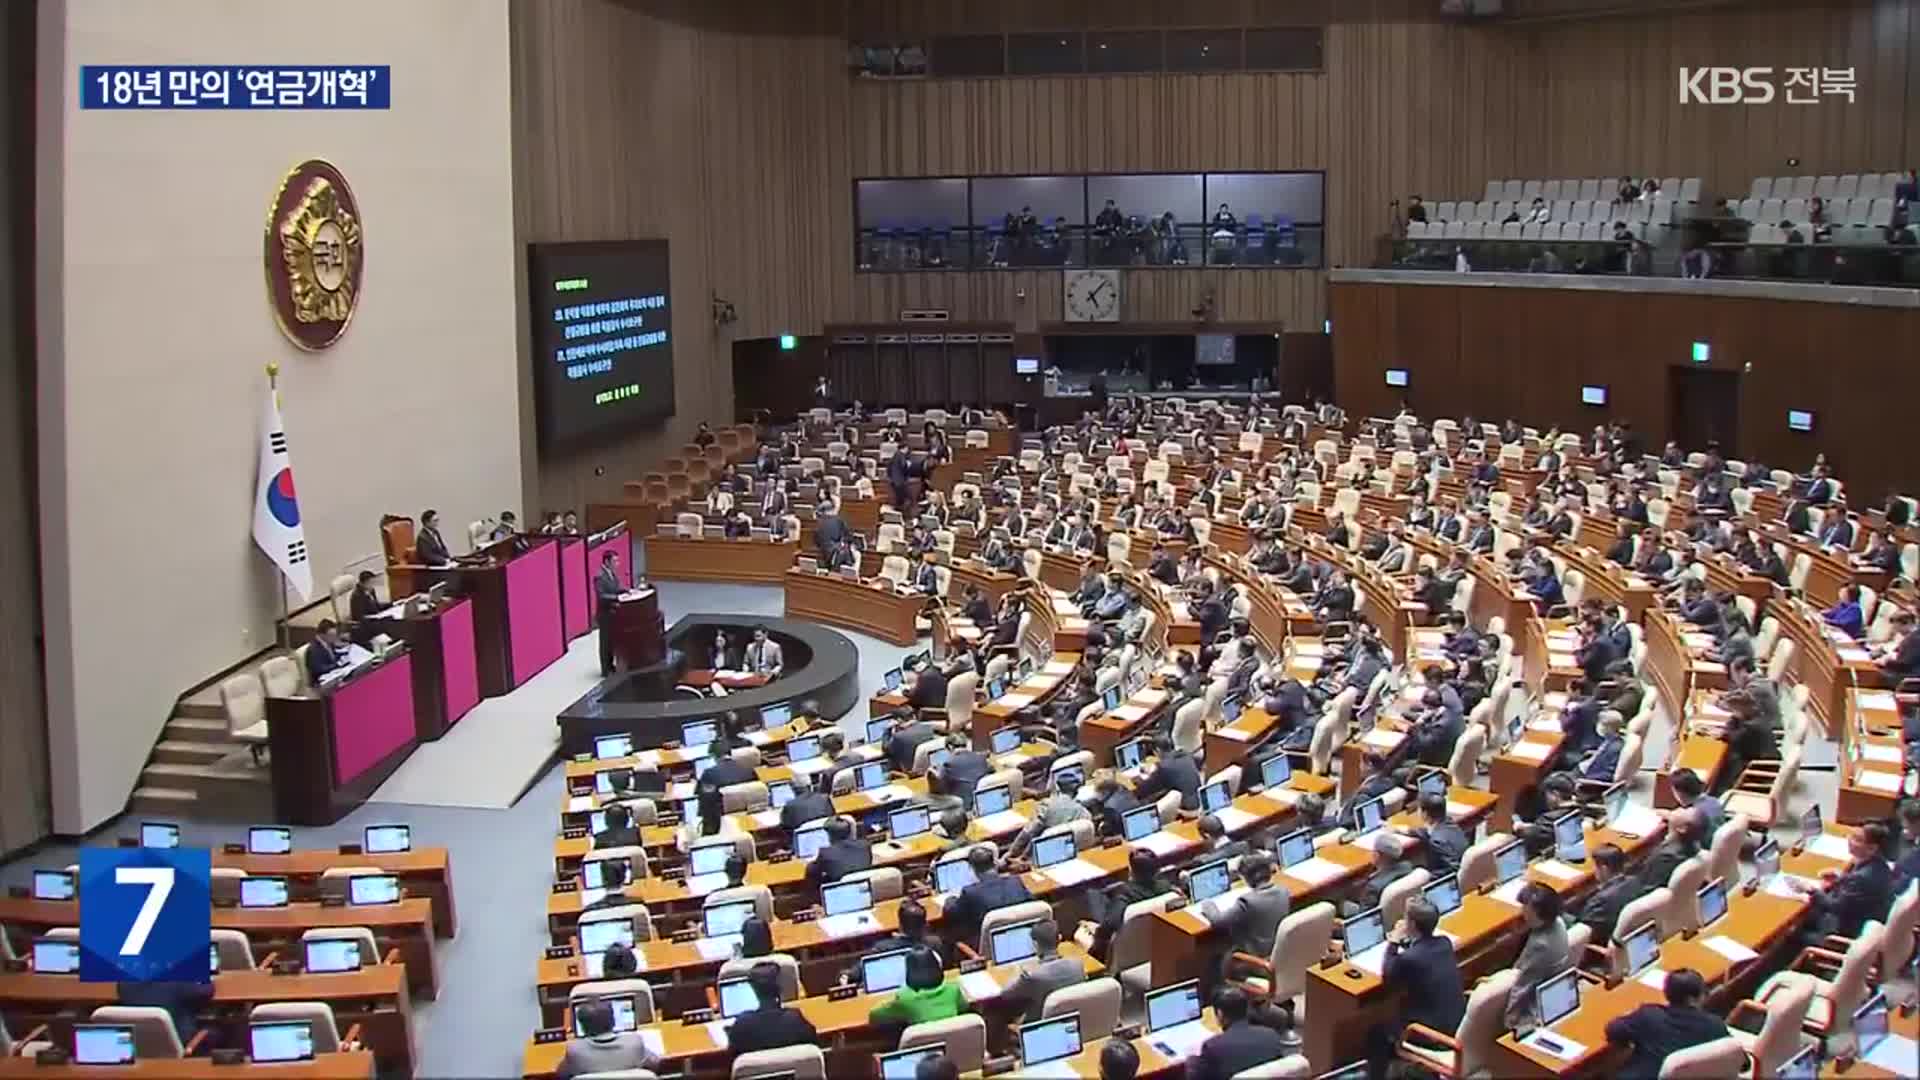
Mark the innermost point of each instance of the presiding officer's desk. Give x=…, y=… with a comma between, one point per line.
x=375, y=998
x=343, y=1065
x=519, y=628
x=880, y=611
x=333, y=746
x=446, y=679
x=843, y=1025
x=694, y=558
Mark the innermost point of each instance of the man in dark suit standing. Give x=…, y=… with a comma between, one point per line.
x=1241, y=1044
x=828, y=528
x=326, y=653
x=990, y=890
x=842, y=856
x=606, y=595
x=772, y=1025
x=429, y=548
x=1420, y=966
x=899, y=473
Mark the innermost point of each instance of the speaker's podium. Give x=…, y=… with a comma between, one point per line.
x=639, y=633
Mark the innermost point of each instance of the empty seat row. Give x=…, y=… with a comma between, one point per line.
x=1843, y=186
x=1842, y=235
x=1553, y=230
x=1640, y=210
x=1839, y=210
x=1687, y=190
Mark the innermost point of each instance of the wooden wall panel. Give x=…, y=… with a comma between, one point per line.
x=1499, y=352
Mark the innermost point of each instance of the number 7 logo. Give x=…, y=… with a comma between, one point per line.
x=159, y=882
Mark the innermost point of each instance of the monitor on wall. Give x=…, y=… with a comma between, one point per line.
x=602, y=319
x=1593, y=395
x=1396, y=376
x=1026, y=365
x=1799, y=420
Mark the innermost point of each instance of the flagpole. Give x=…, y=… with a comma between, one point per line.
x=285, y=635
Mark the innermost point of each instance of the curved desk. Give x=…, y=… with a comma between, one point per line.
x=736, y=562
x=821, y=666
x=856, y=605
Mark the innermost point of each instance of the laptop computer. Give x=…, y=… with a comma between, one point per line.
x=1804, y=1065
x=952, y=875
x=869, y=776
x=1294, y=848
x=364, y=889
x=1011, y=943
x=878, y=728
x=1509, y=862
x=327, y=956
x=1444, y=894
x=52, y=957
x=809, y=839
x=1231, y=708
x=1208, y=880
x=597, y=934
x=1276, y=771
x=885, y=971
x=263, y=892
x=269, y=840
x=1369, y=816
x=710, y=858
x=1073, y=775
x=1434, y=782
x=53, y=885
x=1054, y=850
x=905, y=1064
x=626, y=1014
x=695, y=734
x=846, y=897
x=720, y=920
x=993, y=799
x=908, y=823
x=1111, y=699
x=779, y=793
x=103, y=1044
x=1049, y=1040
x=1128, y=755
x=1713, y=901
x=1570, y=837
x=892, y=680
x=1140, y=822
x=737, y=996
x=1810, y=825
x=386, y=839
x=606, y=747
x=776, y=716
x=805, y=748
x=1004, y=741
x=939, y=758
x=1642, y=947
x=1215, y=796
x=1171, y=1006
x=1364, y=933
x=997, y=688
x=280, y=1040
x=159, y=834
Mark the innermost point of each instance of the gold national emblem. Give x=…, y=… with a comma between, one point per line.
x=314, y=258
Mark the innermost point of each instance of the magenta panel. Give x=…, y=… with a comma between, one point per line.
x=533, y=612
x=459, y=663
x=372, y=717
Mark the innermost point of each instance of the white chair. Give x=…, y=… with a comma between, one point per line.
x=282, y=677
x=1683, y=910
x=154, y=1035
x=1723, y=859
x=788, y=965
x=1096, y=1000
x=1187, y=734
x=1476, y=863
x=1299, y=943
x=761, y=896
x=1132, y=945
x=993, y=920
x=1714, y=1060
x=1785, y=1013
x=320, y=1020
x=803, y=1062
x=965, y=1037
x=235, y=951
x=244, y=700
x=1393, y=899
x=1291, y=1067
x=1467, y=1050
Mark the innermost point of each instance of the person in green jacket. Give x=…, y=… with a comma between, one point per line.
x=927, y=996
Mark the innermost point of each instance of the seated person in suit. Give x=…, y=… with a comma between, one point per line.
x=1046, y=972
x=926, y=580
x=1111, y=802
x=902, y=745
x=1108, y=908
x=911, y=934
x=1655, y=1031
x=844, y=854
x=1419, y=969
x=1907, y=867
x=1689, y=790
x=1241, y=1044
x=806, y=804
x=1845, y=900
x=326, y=653
x=365, y=601
x=1214, y=841
x=1697, y=607
x=1599, y=766
x=764, y=656
x=1389, y=865
x=1900, y=659
x=1173, y=770
x=1310, y=813
x=1601, y=909
x=990, y=890
x=725, y=771
x=1446, y=843
x=929, y=690
x=1058, y=808
x=1378, y=781
x=620, y=830
x=600, y=1048
x=1544, y=954
x=772, y=1025
x=963, y=770
x=1250, y=923
x=429, y=547
x=1685, y=831
x=1845, y=615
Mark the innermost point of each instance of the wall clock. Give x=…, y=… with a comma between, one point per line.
x=1092, y=295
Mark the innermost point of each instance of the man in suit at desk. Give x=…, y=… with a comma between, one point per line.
x=1542, y=956
x=904, y=742
x=1845, y=900
x=1838, y=531
x=1046, y=972
x=1389, y=865
x=1685, y=827
x=843, y=854
x=962, y=772
x=620, y=830
x=1241, y=1044
x=1249, y=924
x=600, y=1048
x=1479, y=534
x=606, y=594
x=829, y=528
x=1378, y=781
x=991, y=890
x=926, y=579
x=1420, y=967
x=929, y=688
x=365, y=602
x=772, y=1025
x=764, y=656
x=1173, y=770
x=725, y=771
x=1901, y=660
x=429, y=547
x=806, y=805
x=1446, y=843
x=1599, y=766
x=1616, y=887
x=327, y=652
x=843, y=557
x=1655, y=1031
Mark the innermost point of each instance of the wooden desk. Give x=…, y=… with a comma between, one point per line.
x=678, y=558
x=424, y=872
x=1827, y=668
x=880, y=612
x=1899, y=1022
x=1515, y=770
x=332, y=748
x=843, y=1025
x=446, y=683
x=1608, y=581
x=1871, y=765
x=351, y=1065
x=374, y=997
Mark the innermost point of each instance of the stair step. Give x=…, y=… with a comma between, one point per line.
x=191, y=752
x=200, y=710
x=198, y=729
x=165, y=799
x=186, y=773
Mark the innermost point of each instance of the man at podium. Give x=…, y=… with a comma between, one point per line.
x=606, y=590
x=327, y=652
x=763, y=655
x=429, y=548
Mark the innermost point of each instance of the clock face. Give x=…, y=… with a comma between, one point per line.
x=1092, y=295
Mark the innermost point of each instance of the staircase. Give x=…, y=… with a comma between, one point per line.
x=196, y=771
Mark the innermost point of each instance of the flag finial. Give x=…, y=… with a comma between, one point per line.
x=273, y=373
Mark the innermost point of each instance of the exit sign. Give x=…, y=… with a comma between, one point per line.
x=788, y=342
x=1701, y=352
